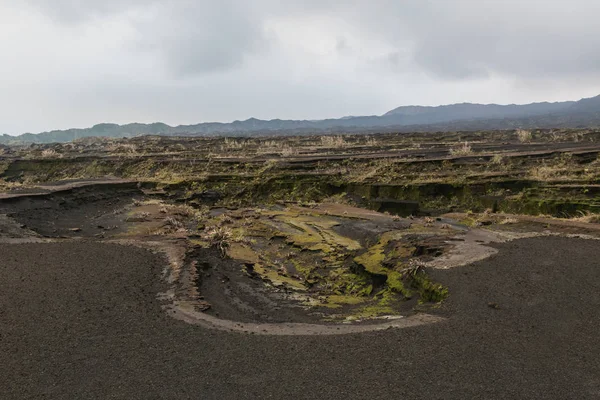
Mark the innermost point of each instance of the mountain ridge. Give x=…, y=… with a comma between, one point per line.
x=462, y=116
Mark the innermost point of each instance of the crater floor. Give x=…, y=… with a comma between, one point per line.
x=81, y=320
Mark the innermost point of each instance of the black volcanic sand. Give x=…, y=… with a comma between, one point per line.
x=85, y=211
x=80, y=320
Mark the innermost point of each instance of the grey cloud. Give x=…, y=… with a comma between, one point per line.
x=472, y=39
x=79, y=11
x=228, y=59
x=452, y=40
x=199, y=37
x=190, y=37
x=465, y=39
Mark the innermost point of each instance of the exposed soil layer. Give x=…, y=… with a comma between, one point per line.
x=551, y=172
x=277, y=264
x=81, y=320
x=86, y=211
x=233, y=295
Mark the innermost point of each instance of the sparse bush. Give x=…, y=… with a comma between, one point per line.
x=565, y=159
x=172, y=221
x=240, y=236
x=334, y=141
x=543, y=173
x=270, y=143
x=463, y=150
x=219, y=237
x=586, y=216
x=429, y=291
x=190, y=212
x=173, y=224
x=50, y=153
x=276, y=147
x=231, y=144
x=577, y=136
x=288, y=151
x=127, y=148
x=554, y=136
x=371, y=141
x=7, y=186
x=498, y=159
x=218, y=234
x=524, y=136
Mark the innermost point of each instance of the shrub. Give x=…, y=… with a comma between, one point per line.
x=498, y=159
x=524, y=136
x=334, y=141
x=463, y=150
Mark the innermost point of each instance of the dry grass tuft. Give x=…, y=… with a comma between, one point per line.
x=50, y=153
x=508, y=221
x=334, y=141
x=498, y=159
x=463, y=150
x=234, y=144
x=524, y=136
x=587, y=217
x=220, y=237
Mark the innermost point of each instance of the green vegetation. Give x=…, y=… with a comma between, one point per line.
x=429, y=291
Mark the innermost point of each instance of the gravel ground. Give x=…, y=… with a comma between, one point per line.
x=81, y=320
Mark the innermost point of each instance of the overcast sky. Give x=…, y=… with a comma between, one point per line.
x=75, y=63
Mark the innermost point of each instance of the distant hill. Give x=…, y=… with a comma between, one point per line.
x=466, y=116
x=468, y=111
